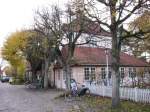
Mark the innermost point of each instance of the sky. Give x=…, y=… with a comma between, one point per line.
x=18, y=14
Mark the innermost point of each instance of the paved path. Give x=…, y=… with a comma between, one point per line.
x=20, y=99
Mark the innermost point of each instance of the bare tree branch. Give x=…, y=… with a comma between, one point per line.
x=104, y=2
x=135, y=8
x=138, y=35
x=97, y=19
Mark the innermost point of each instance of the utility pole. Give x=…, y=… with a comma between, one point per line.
x=107, y=68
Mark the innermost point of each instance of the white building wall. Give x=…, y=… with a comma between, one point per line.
x=96, y=41
x=78, y=75
x=59, y=80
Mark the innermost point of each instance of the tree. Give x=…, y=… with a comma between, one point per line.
x=27, y=46
x=9, y=71
x=64, y=29
x=43, y=20
x=38, y=53
x=12, y=51
x=112, y=14
x=141, y=46
x=33, y=52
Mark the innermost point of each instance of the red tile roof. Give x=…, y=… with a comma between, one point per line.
x=97, y=56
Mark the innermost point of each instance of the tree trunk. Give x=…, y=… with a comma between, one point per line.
x=115, y=69
x=46, y=74
x=115, y=89
x=15, y=72
x=50, y=75
x=116, y=46
x=67, y=70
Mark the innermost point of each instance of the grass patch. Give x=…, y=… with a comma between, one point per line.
x=100, y=104
x=91, y=103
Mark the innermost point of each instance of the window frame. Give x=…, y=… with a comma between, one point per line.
x=103, y=73
x=89, y=73
x=132, y=72
x=122, y=72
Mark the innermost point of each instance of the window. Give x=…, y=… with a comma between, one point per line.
x=132, y=72
x=103, y=73
x=89, y=73
x=93, y=43
x=122, y=73
x=109, y=73
x=93, y=73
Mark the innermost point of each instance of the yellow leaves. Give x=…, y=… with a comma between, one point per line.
x=45, y=43
x=13, y=50
x=142, y=22
x=13, y=47
x=114, y=14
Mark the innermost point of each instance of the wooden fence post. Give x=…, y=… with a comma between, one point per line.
x=103, y=91
x=136, y=94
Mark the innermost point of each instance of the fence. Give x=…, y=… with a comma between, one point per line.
x=134, y=94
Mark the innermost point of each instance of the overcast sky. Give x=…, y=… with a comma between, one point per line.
x=18, y=14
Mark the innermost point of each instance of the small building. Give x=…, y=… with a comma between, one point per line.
x=90, y=63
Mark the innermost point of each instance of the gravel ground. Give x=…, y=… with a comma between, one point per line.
x=18, y=98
